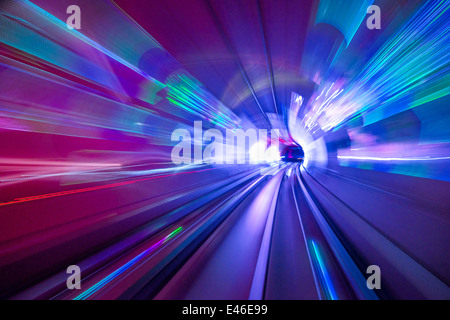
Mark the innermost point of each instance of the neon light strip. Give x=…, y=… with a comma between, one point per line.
x=62, y=193
x=328, y=284
x=86, y=294
x=392, y=158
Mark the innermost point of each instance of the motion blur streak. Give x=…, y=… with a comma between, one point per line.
x=116, y=273
x=87, y=122
x=57, y=194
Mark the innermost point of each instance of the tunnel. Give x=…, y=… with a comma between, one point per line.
x=224, y=150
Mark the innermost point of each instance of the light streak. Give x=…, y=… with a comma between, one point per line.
x=86, y=294
x=363, y=158
x=113, y=185
x=323, y=271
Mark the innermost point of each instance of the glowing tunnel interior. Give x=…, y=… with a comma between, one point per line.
x=223, y=149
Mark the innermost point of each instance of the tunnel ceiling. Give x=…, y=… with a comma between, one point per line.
x=256, y=56
x=115, y=159
x=247, y=53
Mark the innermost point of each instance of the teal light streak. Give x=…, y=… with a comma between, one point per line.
x=326, y=281
x=86, y=294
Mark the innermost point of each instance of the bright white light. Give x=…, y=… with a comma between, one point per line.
x=273, y=154
x=257, y=152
